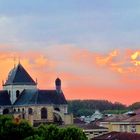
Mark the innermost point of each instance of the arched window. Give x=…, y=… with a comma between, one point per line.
x=17, y=93
x=43, y=113
x=6, y=111
x=30, y=111
x=22, y=109
x=18, y=110
x=14, y=110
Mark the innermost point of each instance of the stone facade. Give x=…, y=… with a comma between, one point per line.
x=23, y=112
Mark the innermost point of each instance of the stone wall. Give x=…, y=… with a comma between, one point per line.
x=36, y=114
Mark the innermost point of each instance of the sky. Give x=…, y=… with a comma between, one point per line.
x=93, y=46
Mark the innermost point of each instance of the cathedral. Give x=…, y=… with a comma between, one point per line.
x=21, y=98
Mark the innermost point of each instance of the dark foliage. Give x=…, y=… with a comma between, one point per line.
x=135, y=106
x=87, y=107
x=11, y=130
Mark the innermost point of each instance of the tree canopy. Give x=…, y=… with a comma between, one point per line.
x=10, y=130
x=88, y=107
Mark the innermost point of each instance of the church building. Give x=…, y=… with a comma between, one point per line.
x=21, y=98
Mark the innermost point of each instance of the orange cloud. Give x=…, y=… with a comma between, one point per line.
x=85, y=74
x=101, y=60
x=135, y=58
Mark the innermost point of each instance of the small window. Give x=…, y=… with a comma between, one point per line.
x=23, y=116
x=18, y=110
x=9, y=93
x=22, y=109
x=133, y=128
x=14, y=110
x=17, y=93
x=30, y=111
x=43, y=113
x=125, y=128
x=121, y=128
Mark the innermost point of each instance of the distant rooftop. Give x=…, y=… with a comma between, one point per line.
x=116, y=118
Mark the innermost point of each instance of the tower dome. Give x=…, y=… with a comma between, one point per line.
x=17, y=81
x=58, y=82
x=19, y=76
x=58, y=85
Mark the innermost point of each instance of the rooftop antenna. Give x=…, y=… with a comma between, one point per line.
x=36, y=81
x=2, y=83
x=14, y=62
x=18, y=60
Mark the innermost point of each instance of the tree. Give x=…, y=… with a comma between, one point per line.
x=49, y=132
x=34, y=137
x=72, y=133
x=88, y=107
x=10, y=129
x=135, y=106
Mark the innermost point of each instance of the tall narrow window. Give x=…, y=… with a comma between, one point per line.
x=22, y=109
x=18, y=110
x=9, y=93
x=133, y=128
x=30, y=111
x=17, y=93
x=125, y=128
x=43, y=113
x=14, y=110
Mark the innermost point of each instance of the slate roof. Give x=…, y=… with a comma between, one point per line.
x=118, y=136
x=40, y=97
x=4, y=98
x=108, y=136
x=91, y=126
x=19, y=76
x=135, y=118
x=116, y=118
x=78, y=121
x=86, y=126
